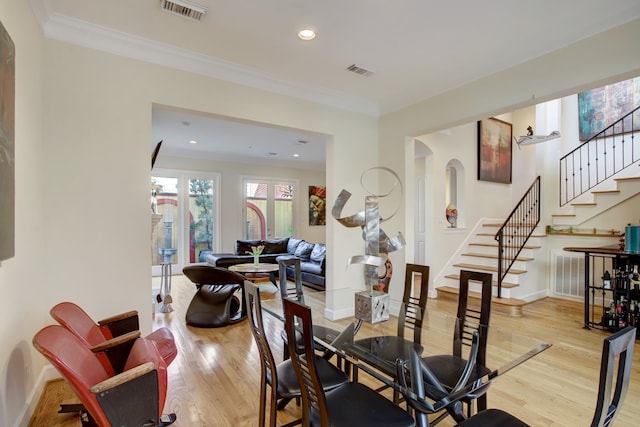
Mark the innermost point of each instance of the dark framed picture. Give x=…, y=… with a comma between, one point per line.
x=494, y=150
x=317, y=205
x=7, y=151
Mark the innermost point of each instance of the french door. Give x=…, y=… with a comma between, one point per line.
x=269, y=208
x=185, y=212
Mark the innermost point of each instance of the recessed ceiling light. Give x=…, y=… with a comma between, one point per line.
x=193, y=142
x=306, y=34
x=296, y=155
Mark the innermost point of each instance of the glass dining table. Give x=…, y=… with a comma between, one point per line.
x=366, y=346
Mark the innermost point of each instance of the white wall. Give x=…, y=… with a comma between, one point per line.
x=231, y=194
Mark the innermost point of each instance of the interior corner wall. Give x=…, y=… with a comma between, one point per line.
x=23, y=281
x=545, y=78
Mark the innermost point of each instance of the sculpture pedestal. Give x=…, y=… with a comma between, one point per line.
x=372, y=307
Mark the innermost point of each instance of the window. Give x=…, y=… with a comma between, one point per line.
x=184, y=217
x=269, y=212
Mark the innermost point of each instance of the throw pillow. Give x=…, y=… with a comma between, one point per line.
x=244, y=246
x=293, y=245
x=304, y=250
x=318, y=253
x=276, y=246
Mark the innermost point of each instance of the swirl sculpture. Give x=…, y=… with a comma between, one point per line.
x=377, y=242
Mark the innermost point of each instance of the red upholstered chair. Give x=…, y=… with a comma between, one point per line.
x=111, y=339
x=134, y=397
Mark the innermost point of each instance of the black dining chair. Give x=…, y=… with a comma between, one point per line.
x=281, y=378
x=617, y=356
x=449, y=368
x=410, y=320
x=323, y=333
x=351, y=404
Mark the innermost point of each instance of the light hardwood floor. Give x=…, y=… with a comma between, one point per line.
x=215, y=379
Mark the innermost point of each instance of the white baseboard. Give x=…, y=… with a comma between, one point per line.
x=48, y=373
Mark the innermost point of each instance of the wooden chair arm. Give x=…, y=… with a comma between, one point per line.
x=120, y=324
x=131, y=398
x=118, y=317
x=123, y=377
x=117, y=341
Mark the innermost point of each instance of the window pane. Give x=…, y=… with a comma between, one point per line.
x=283, y=210
x=164, y=234
x=256, y=227
x=200, y=219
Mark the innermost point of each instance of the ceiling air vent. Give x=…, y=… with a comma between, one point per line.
x=359, y=70
x=184, y=8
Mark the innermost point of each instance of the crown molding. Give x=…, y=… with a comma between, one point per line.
x=81, y=33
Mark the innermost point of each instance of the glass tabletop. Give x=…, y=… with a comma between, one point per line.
x=367, y=346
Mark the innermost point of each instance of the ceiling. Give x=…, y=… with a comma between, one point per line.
x=415, y=48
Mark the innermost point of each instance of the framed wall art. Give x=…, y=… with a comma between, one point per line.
x=7, y=151
x=317, y=205
x=494, y=150
x=601, y=107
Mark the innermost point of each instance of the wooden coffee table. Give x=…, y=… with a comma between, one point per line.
x=257, y=273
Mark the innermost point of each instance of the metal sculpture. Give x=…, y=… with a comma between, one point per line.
x=371, y=305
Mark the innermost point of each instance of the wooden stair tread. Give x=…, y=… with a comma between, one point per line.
x=493, y=234
x=628, y=178
x=492, y=256
x=473, y=294
x=510, y=306
x=495, y=245
x=605, y=191
x=563, y=215
x=485, y=268
x=505, y=285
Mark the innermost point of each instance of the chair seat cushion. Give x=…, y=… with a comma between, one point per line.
x=288, y=385
x=163, y=337
x=448, y=369
x=492, y=417
x=354, y=404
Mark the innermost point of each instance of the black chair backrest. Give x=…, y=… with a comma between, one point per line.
x=472, y=319
x=209, y=275
x=299, y=329
x=617, y=355
x=268, y=366
x=413, y=308
x=285, y=291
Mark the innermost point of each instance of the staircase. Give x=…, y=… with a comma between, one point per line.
x=598, y=200
x=480, y=253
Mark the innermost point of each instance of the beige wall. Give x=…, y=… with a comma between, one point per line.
x=82, y=149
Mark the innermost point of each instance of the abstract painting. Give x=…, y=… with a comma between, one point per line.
x=494, y=150
x=7, y=151
x=601, y=107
